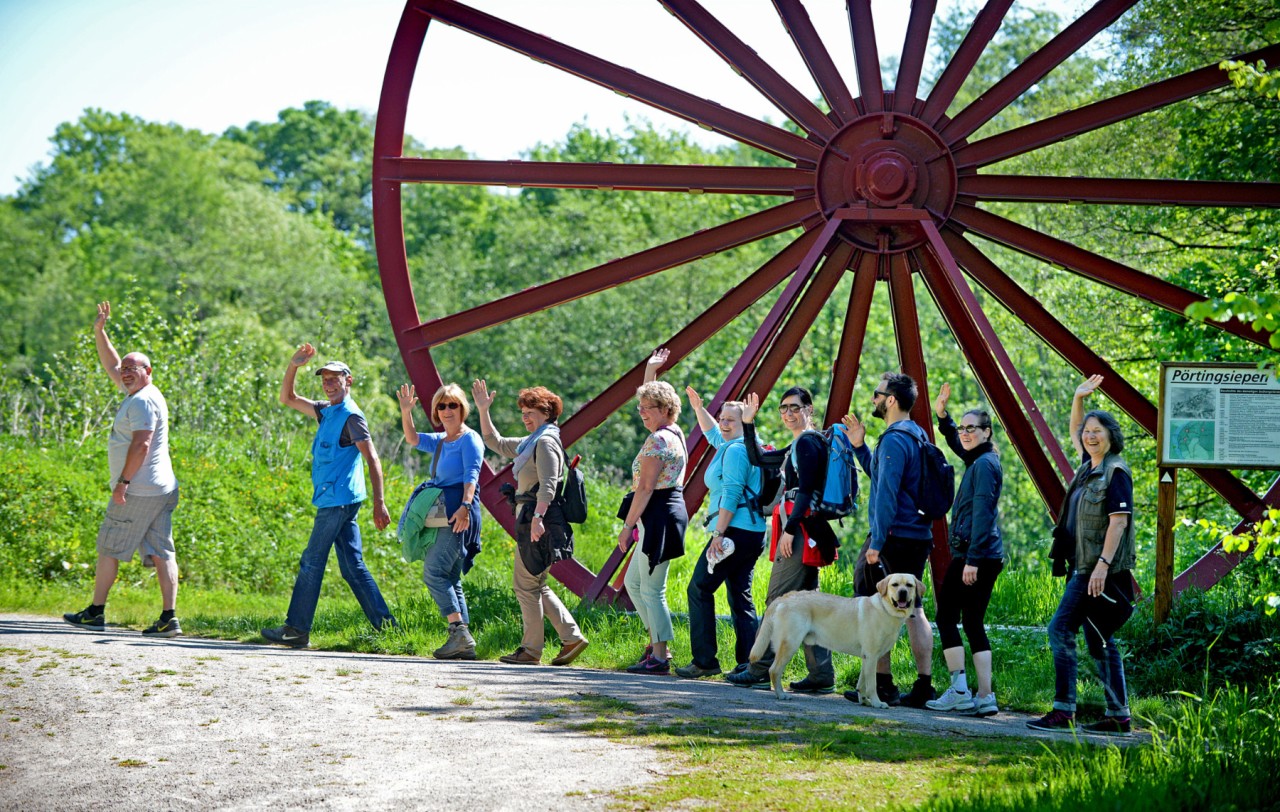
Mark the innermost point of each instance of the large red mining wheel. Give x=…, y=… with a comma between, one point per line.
x=884, y=186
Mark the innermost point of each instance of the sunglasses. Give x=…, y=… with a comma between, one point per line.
x=448, y=406
x=879, y=394
x=790, y=408
x=969, y=429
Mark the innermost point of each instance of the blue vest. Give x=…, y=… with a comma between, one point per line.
x=337, y=473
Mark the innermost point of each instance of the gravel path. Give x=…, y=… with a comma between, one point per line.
x=96, y=719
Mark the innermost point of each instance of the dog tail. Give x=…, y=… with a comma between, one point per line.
x=763, y=636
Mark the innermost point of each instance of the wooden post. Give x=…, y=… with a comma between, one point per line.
x=1166, y=507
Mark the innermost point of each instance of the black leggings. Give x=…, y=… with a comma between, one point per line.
x=956, y=601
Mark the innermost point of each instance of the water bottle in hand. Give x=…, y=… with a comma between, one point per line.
x=726, y=549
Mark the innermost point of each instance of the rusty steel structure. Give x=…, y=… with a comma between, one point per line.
x=884, y=186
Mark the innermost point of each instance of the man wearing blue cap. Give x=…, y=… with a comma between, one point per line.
x=339, y=453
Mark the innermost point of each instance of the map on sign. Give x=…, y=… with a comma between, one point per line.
x=1225, y=415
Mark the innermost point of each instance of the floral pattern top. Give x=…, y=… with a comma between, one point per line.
x=667, y=444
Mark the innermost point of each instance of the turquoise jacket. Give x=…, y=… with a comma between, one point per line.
x=729, y=477
x=337, y=473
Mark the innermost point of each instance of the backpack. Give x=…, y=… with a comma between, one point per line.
x=838, y=496
x=572, y=496
x=770, y=494
x=936, y=488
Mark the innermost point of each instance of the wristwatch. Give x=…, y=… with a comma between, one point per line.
x=122, y=481
x=716, y=534
x=539, y=515
x=466, y=504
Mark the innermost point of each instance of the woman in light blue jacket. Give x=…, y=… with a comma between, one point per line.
x=732, y=483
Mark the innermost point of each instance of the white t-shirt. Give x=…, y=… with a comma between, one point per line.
x=144, y=410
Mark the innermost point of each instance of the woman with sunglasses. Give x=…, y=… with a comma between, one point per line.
x=977, y=557
x=455, y=470
x=804, y=470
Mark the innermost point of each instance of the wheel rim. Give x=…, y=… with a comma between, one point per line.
x=885, y=187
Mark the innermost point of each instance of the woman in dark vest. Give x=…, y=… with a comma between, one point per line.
x=1094, y=548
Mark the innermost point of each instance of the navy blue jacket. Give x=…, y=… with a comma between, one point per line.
x=895, y=475
x=975, y=529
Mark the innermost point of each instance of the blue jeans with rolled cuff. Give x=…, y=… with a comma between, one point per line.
x=1072, y=615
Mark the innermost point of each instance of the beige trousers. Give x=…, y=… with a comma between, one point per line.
x=536, y=602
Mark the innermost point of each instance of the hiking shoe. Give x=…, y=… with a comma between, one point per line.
x=985, y=705
x=887, y=692
x=746, y=678
x=740, y=667
x=569, y=652
x=163, y=628
x=695, y=671
x=1110, y=726
x=286, y=635
x=87, y=619
x=921, y=692
x=520, y=656
x=1053, y=721
x=952, y=700
x=650, y=665
x=460, y=645
x=809, y=686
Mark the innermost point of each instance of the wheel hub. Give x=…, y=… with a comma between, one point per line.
x=882, y=162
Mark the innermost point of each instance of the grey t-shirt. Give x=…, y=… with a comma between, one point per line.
x=144, y=410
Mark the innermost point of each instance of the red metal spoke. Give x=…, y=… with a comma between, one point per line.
x=707, y=324
x=800, y=320
x=816, y=57
x=1090, y=265
x=1021, y=416
x=751, y=67
x=1210, y=568
x=865, y=55
x=1069, y=42
x=913, y=50
x=844, y=374
x=1087, y=362
x=622, y=80
x=1100, y=114
x=754, y=180
x=966, y=56
x=628, y=269
x=1120, y=191
x=906, y=330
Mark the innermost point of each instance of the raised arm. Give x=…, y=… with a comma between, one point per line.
x=1083, y=391
x=288, y=396
x=408, y=397
x=705, y=421
x=484, y=399
x=106, y=352
x=655, y=363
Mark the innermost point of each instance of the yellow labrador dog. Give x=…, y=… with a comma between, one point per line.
x=865, y=627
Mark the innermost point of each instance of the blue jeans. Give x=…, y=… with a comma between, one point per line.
x=442, y=573
x=335, y=527
x=735, y=572
x=1073, y=613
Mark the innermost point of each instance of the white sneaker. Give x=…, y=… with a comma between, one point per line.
x=952, y=700
x=986, y=705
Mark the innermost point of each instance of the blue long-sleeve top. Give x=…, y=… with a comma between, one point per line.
x=728, y=477
x=975, y=529
x=894, y=470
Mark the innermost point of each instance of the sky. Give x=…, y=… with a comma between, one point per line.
x=213, y=64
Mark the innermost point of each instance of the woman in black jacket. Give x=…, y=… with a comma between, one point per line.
x=977, y=557
x=804, y=471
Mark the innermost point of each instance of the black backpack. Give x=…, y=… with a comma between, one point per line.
x=770, y=492
x=572, y=497
x=936, y=488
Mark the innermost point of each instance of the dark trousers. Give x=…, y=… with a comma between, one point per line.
x=960, y=603
x=792, y=575
x=735, y=572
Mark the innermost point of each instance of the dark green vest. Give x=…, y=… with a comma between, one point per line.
x=1092, y=518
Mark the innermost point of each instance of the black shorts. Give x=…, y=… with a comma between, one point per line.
x=897, y=555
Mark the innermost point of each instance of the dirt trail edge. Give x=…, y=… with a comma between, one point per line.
x=90, y=720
